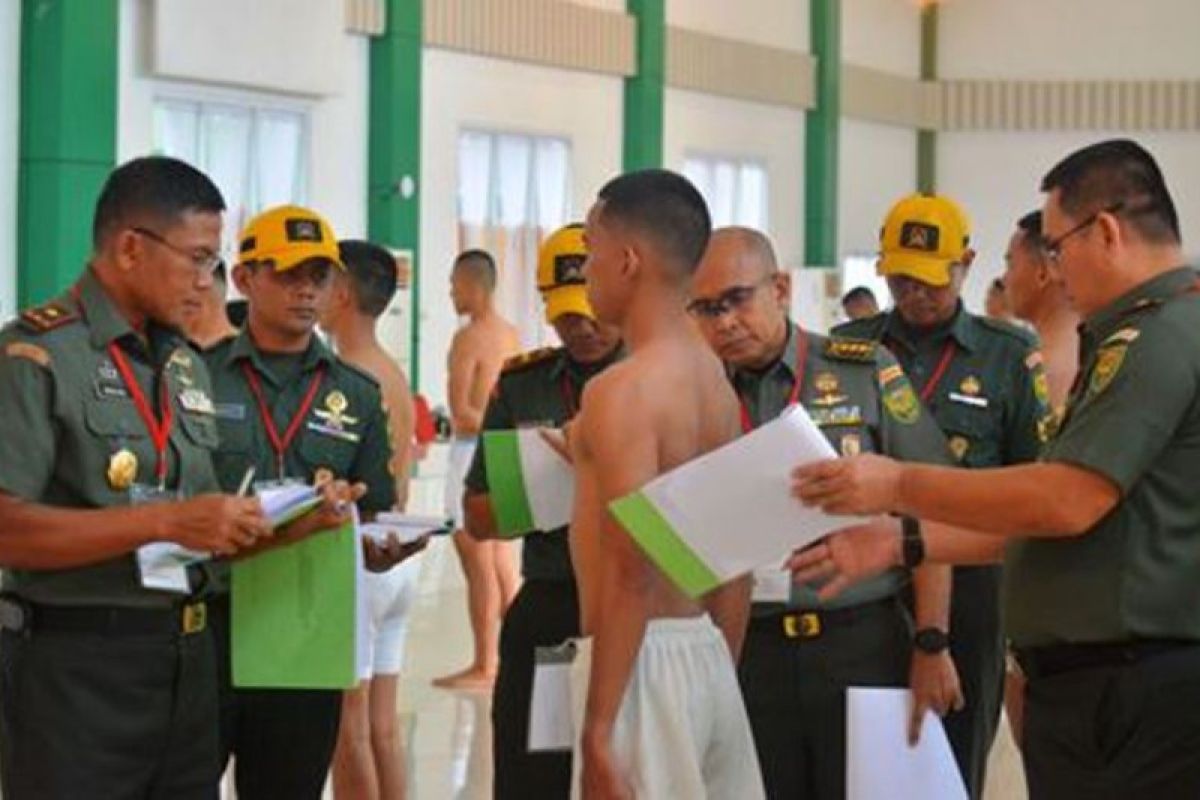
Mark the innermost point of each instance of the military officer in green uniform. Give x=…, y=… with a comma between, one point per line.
x=539, y=389
x=801, y=654
x=1102, y=567
x=287, y=406
x=106, y=428
x=984, y=384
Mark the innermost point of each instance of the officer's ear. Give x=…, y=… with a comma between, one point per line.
x=781, y=284
x=968, y=258
x=241, y=278
x=125, y=248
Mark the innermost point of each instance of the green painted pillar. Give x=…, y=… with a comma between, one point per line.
x=822, y=127
x=68, y=137
x=645, y=91
x=927, y=139
x=394, y=147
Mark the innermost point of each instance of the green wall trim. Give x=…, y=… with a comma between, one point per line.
x=68, y=137
x=821, y=131
x=642, y=146
x=927, y=139
x=394, y=148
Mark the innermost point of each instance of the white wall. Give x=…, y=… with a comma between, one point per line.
x=883, y=35
x=464, y=91
x=10, y=82
x=337, y=179
x=701, y=123
x=878, y=167
x=776, y=23
x=996, y=174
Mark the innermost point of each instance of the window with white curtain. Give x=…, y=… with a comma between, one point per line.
x=735, y=189
x=513, y=191
x=257, y=155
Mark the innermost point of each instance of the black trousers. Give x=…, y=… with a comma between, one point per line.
x=795, y=692
x=282, y=740
x=1115, y=733
x=543, y=614
x=87, y=715
x=977, y=646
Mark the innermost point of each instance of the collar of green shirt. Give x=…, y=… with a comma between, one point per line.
x=243, y=348
x=564, y=362
x=961, y=327
x=107, y=324
x=1154, y=291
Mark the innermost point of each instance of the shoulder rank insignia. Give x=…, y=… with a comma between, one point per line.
x=523, y=360
x=850, y=349
x=28, y=351
x=48, y=317
x=1125, y=335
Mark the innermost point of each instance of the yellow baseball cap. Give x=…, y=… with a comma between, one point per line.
x=287, y=236
x=560, y=274
x=922, y=236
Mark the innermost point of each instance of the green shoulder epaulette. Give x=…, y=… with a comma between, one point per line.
x=525, y=360
x=842, y=349
x=47, y=317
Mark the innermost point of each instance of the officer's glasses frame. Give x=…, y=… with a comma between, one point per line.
x=732, y=299
x=205, y=263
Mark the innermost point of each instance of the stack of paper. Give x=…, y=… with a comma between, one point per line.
x=730, y=511
x=531, y=487
x=163, y=565
x=285, y=503
x=299, y=614
x=881, y=765
x=408, y=528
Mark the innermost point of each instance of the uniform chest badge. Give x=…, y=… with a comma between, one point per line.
x=122, y=469
x=334, y=414
x=828, y=390
x=196, y=401
x=959, y=445
x=851, y=445
x=969, y=393
x=970, y=386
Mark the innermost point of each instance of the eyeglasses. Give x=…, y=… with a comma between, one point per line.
x=1052, y=248
x=732, y=299
x=205, y=263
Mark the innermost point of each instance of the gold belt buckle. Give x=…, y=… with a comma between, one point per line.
x=802, y=626
x=195, y=617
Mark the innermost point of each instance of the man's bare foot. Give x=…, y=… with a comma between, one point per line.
x=471, y=679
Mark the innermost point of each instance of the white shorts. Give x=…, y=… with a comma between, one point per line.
x=390, y=597
x=682, y=730
x=462, y=451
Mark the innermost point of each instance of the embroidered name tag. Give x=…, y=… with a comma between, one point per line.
x=336, y=433
x=231, y=411
x=966, y=399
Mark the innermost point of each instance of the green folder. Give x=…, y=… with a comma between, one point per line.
x=294, y=614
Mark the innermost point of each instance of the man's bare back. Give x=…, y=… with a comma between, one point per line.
x=398, y=400
x=477, y=352
x=662, y=407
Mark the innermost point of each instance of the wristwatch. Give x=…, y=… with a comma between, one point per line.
x=931, y=640
x=912, y=545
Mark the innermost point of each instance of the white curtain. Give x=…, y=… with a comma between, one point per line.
x=512, y=191
x=736, y=191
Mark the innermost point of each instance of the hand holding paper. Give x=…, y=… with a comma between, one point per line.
x=863, y=484
x=531, y=486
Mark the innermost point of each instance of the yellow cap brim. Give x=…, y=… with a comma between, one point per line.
x=931, y=271
x=567, y=300
x=295, y=256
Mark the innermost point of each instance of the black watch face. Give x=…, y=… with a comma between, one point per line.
x=931, y=640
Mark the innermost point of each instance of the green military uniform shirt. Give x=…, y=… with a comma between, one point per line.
x=344, y=431
x=991, y=400
x=536, y=390
x=1133, y=416
x=862, y=401
x=65, y=412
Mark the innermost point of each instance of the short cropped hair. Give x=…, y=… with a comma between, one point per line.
x=372, y=273
x=665, y=208
x=859, y=293
x=1032, y=237
x=479, y=265
x=1118, y=175
x=154, y=189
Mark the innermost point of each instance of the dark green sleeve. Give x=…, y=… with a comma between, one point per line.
x=1121, y=425
x=1029, y=414
x=372, y=464
x=908, y=431
x=497, y=417
x=27, y=433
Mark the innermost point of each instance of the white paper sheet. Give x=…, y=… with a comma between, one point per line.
x=880, y=765
x=282, y=504
x=163, y=566
x=362, y=609
x=407, y=527
x=550, y=713
x=549, y=481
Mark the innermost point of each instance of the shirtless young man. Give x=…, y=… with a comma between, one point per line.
x=663, y=715
x=477, y=353
x=369, y=760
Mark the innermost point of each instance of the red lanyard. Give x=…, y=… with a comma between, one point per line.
x=939, y=371
x=280, y=443
x=797, y=384
x=159, y=429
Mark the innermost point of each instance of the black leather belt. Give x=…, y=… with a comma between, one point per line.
x=798, y=624
x=1049, y=660
x=23, y=617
